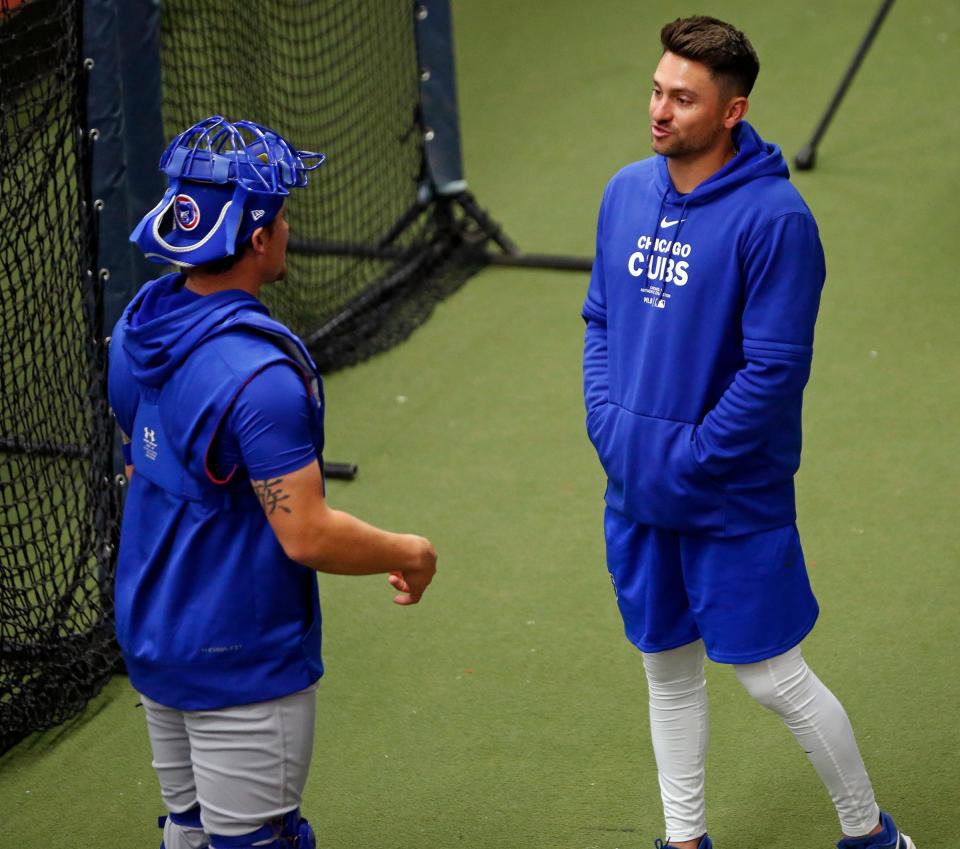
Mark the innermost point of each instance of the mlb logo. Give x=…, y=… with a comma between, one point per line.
x=187, y=212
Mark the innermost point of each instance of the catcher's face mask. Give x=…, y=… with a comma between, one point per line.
x=224, y=180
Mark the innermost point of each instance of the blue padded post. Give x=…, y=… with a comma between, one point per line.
x=438, y=95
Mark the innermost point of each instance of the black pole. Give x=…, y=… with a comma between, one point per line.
x=489, y=227
x=512, y=255
x=551, y=262
x=807, y=156
x=340, y=471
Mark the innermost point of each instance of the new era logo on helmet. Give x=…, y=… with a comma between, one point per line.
x=257, y=214
x=187, y=212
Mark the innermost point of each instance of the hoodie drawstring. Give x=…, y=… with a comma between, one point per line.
x=669, y=247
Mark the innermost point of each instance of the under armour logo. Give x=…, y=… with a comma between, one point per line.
x=150, y=443
x=257, y=214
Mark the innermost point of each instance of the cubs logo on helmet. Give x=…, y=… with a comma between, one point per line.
x=187, y=212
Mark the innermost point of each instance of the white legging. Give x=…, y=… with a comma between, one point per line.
x=785, y=685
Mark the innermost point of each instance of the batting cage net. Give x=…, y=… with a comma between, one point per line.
x=374, y=246
x=57, y=514
x=369, y=255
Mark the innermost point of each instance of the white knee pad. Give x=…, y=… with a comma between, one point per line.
x=676, y=669
x=778, y=683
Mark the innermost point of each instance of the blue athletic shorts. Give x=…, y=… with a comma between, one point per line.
x=747, y=597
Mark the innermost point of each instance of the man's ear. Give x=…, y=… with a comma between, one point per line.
x=736, y=112
x=258, y=240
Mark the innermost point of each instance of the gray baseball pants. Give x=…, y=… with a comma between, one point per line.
x=244, y=765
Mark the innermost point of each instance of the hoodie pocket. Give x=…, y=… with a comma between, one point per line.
x=652, y=475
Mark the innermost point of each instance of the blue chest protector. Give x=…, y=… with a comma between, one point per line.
x=210, y=611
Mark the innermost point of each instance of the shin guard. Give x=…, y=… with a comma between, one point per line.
x=295, y=833
x=183, y=830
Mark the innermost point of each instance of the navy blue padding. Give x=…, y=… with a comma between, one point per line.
x=246, y=841
x=298, y=830
x=122, y=42
x=438, y=95
x=189, y=818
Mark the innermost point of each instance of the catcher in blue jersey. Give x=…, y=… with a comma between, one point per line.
x=226, y=523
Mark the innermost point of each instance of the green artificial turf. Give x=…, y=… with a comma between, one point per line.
x=507, y=710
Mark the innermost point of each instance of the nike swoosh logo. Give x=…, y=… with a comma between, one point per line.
x=665, y=224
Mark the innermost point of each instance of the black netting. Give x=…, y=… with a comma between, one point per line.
x=367, y=260
x=371, y=253
x=57, y=519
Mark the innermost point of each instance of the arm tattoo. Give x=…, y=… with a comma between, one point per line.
x=270, y=495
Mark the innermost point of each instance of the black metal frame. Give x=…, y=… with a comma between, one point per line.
x=474, y=228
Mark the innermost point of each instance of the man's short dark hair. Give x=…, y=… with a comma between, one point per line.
x=725, y=50
x=226, y=263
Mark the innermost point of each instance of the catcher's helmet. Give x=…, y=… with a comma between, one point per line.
x=225, y=179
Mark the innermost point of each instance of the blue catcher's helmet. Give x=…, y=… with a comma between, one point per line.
x=225, y=179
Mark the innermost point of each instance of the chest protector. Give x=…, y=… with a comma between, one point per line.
x=210, y=611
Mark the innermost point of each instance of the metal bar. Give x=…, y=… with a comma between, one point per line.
x=351, y=249
x=512, y=255
x=20, y=445
x=405, y=221
x=549, y=261
x=807, y=156
x=489, y=227
x=368, y=297
x=340, y=471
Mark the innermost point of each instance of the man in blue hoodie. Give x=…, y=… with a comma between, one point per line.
x=226, y=524
x=699, y=337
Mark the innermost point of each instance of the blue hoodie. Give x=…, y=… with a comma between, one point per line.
x=210, y=611
x=699, y=339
